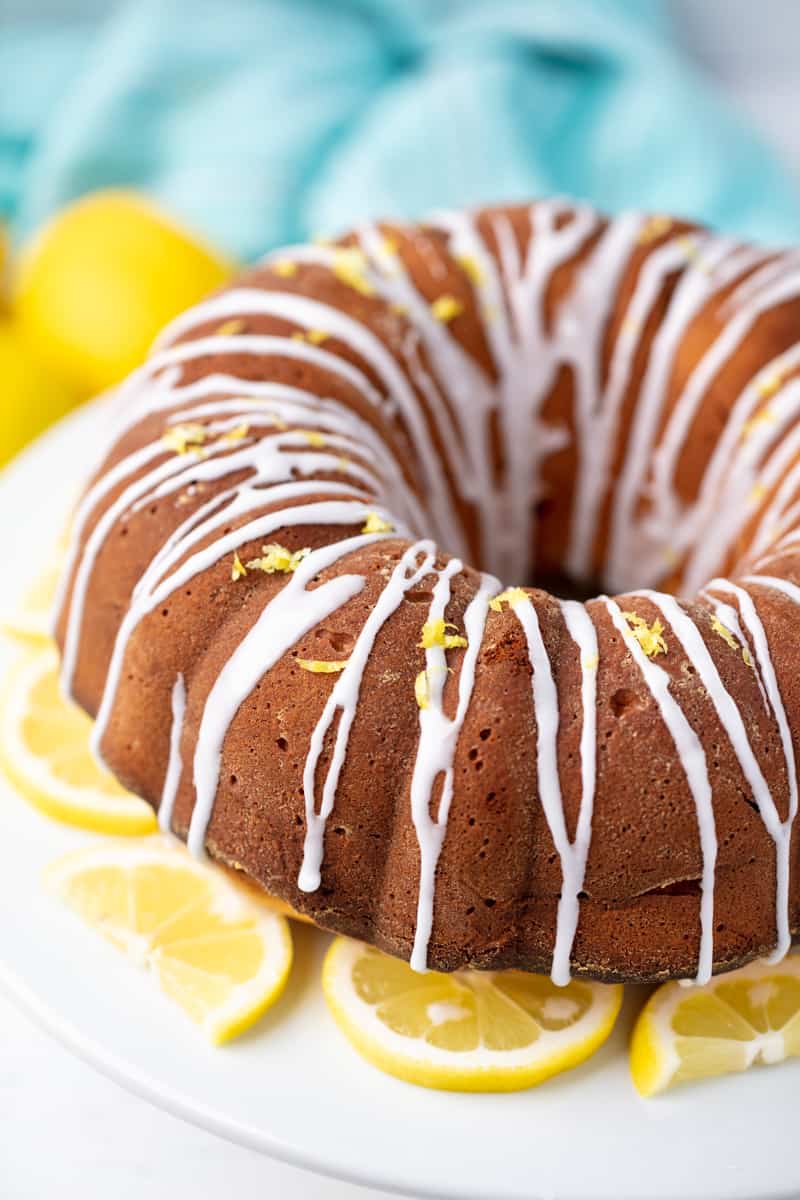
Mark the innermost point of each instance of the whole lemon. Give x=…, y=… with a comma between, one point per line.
x=97, y=283
x=30, y=399
x=3, y=266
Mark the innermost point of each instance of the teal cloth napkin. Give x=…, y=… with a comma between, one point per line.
x=262, y=122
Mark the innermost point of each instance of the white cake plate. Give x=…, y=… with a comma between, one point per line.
x=293, y=1088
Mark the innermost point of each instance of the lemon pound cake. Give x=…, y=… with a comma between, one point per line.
x=269, y=605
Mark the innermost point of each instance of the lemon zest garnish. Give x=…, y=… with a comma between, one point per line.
x=765, y=417
x=510, y=596
x=422, y=691
x=319, y=666
x=446, y=308
x=349, y=265
x=729, y=638
x=757, y=493
x=184, y=438
x=654, y=228
x=237, y=435
x=649, y=637
x=434, y=634
x=766, y=388
x=285, y=268
x=277, y=558
x=591, y=662
x=276, y=422
x=390, y=245
x=725, y=633
x=689, y=246
x=375, y=523
x=471, y=268
x=315, y=336
x=230, y=328
x=238, y=570
x=401, y=310
x=313, y=437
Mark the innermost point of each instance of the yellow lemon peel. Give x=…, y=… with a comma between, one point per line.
x=313, y=437
x=434, y=634
x=236, y=435
x=422, y=690
x=471, y=268
x=511, y=596
x=238, y=570
x=761, y=419
x=649, y=637
x=230, y=328
x=276, y=558
x=446, y=308
x=655, y=227
x=375, y=523
x=767, y=387
x=319, y=666
x=730, y=639
x=725, y=633
x=315, y=336
x=349, y=266
x=285, y=268
x=184, y=439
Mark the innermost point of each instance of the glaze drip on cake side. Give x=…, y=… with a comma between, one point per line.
x=277, y=651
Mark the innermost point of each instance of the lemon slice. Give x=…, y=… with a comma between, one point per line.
x=214, y=949
x=749, y=1016
x=30, y=621
x=472, y=1031
x=44, y=751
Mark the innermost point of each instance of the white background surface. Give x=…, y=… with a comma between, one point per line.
x=69, y=1133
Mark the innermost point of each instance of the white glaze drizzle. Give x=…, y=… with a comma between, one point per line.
x=572, y=855
x=174, y=763
x=438, y=738
x=783, y=833
x=582, y=631
x=695, y=767
x=344, y=699
x=731, y=720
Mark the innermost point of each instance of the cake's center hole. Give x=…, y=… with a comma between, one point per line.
x=566, y=588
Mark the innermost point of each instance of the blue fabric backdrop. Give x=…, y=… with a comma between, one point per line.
x=264, y=121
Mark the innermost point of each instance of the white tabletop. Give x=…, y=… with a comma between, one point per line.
x=66, y=1131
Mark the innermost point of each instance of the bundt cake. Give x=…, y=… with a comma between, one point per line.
x=268, y=606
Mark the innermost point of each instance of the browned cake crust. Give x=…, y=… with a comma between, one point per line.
x=612, y=403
